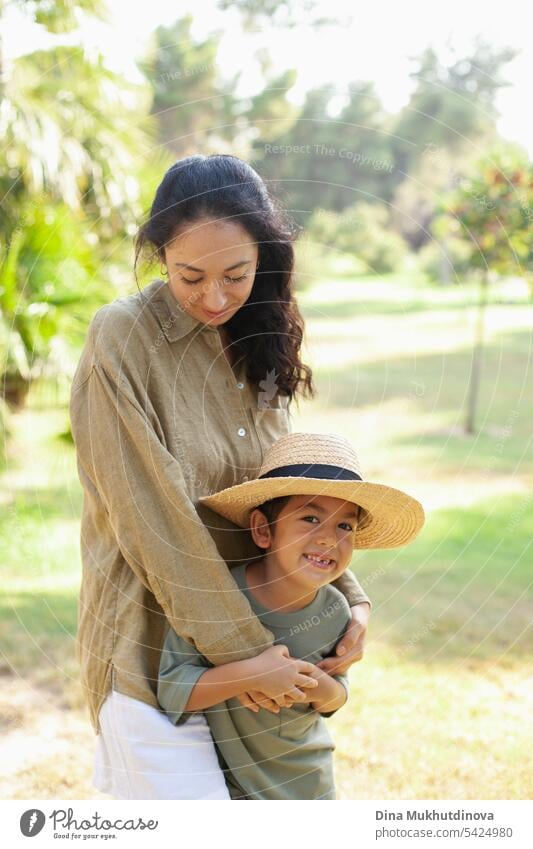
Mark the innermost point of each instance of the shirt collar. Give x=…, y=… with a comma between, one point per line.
x=272, y=617
x=174, y=321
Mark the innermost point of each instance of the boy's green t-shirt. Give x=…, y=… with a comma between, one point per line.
x=264, y=755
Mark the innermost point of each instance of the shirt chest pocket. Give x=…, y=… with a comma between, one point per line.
x=296, y=722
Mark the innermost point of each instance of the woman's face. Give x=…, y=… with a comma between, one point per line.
x=211, y=268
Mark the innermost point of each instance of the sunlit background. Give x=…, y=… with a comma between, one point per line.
x=400, y=138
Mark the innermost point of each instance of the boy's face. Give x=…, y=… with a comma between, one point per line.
x=312, y=540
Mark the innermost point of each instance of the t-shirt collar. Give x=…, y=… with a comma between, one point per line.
x=273, y=617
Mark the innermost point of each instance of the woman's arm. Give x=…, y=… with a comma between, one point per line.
x=187, y=685
x=124, y=466
x=262, y=672
x=350, y=647
x=350, y=587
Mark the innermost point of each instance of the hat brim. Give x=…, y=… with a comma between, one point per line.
x=393, y=517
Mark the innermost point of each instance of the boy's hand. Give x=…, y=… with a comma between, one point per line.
x=274, y=676
x=350, y=648
x=329, y=694
x=276, y=679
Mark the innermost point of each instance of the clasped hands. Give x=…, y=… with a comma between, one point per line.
x=305, y=678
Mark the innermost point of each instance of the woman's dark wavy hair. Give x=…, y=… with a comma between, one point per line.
x=268, y=329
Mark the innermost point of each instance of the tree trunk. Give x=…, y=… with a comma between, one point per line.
x=14, y=389
x=444, y=264
x=477, y=355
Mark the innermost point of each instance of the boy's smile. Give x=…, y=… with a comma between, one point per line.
x=319, y=560
x=310, y=544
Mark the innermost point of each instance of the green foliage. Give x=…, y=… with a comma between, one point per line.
x=335, y=155
x=194, y=104
x=73, y=133
x=59, y=16
x=330, y=156
x=273, y=12
x=49, y=287
x=362, y=230
x=68, y=132
x=419, y=197
x=268, y=113
x=449, y=259
x=492, y=211
x=452, y=104
x=193, y=109
x=451, y=114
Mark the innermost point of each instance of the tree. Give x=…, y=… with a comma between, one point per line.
x=330, y=158
x=491, y=210
x=66, y=124
x=50, y=286
x=452, y=103
x=196, y=107
x=450, y=116
x=192, y=106
x=67, y=176
x=255, y=13
x=363, y=231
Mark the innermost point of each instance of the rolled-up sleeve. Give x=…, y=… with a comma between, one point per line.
x=157, y=528
x=180, y=669
x=351, y=589
x=342, y=679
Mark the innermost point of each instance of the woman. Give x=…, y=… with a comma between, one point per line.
x=179, y=391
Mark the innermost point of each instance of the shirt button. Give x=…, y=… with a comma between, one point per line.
x=242, y=431
x=240, y=386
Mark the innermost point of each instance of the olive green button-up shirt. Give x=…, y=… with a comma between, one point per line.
x=160, y=418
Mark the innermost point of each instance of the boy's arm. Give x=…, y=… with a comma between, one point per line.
x=180, y=689
x=331, y=693
x=188, y=683
x=180, y=667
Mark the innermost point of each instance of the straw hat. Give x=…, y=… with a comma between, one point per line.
x=324, y=464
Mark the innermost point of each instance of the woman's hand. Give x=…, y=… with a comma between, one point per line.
x=329, y=695
x=350, y=648
x=277, y=680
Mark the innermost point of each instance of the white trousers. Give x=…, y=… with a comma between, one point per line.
x=140, y=754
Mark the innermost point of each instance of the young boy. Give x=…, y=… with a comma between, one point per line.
x=308, y=509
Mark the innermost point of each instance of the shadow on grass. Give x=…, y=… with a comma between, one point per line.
x=437, y=384
x=463, y=590
x=37, y=630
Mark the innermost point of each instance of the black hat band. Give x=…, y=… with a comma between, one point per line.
x=312, y=470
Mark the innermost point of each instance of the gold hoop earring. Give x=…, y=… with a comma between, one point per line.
x=163, y=271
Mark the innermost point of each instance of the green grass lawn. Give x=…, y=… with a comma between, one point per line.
x=441, y=706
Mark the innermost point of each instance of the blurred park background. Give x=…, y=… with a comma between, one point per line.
x=415, y=276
